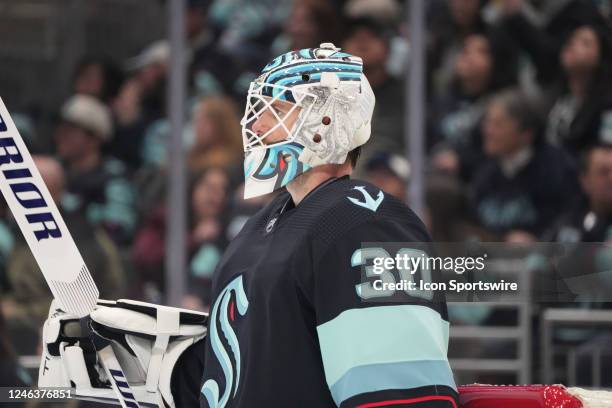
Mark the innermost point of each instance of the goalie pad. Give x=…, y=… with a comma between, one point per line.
x=147, y=341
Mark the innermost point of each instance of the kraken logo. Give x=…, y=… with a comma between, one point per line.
x=281, y=162
x=223, y=311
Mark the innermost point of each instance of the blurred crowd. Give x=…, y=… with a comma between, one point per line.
x=518, y=134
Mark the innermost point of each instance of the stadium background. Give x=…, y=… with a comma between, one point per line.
x=517, y=120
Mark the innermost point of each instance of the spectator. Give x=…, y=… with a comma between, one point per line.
x=383, y=11
x=207, y=241
x=310, y=23
x=11, y=373
x=388, y=13
x=28, y=302
x=523, y=186
x=451, y=21
x=217, y=140
x=97, y=77
x=367, y=39
x=248, y=27
x=486, y=64
x=582, y=111
x=390, y=173
x=590, y=217
x=206, y=238
x=144, y=94
x=213, y=137
x=96, y=185
x=541, y=27
x=211, y=70
x=589, y=220
x=448, y=215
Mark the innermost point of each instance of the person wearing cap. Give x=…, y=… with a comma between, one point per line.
x=26, y=305
x=140, y=102
x=96, y=185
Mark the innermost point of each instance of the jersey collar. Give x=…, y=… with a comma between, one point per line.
x=289, y=204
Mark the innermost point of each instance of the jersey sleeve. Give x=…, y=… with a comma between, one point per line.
x=379, y=348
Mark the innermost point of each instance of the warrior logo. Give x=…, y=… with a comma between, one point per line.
x=230, y=299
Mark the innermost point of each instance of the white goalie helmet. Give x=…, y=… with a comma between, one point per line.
x=307, y=108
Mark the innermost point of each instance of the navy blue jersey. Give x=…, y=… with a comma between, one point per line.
x=291, y=326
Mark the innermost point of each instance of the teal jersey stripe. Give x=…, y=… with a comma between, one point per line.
x=382, y=334
x=392, y=376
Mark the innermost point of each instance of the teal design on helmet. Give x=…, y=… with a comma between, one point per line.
x=286, y=105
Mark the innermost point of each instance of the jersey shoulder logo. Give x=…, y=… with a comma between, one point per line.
x=231, y=298
x=369, y=202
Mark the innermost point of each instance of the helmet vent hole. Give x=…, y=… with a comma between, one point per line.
x=305, y=77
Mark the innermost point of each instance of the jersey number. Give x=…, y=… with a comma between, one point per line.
x=364, y=257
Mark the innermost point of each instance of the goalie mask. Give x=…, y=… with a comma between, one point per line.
x=307, y=108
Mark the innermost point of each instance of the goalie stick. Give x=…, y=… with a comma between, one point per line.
x=51, y=243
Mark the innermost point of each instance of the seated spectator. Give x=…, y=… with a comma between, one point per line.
x=590, y=217
x=388, y=13
x=97, y=77
x=582, y=111
x=150, y=70
x=217, y=135
x=310, y=23
x=448, y=215
x=541, y=27
x=390, y=173
x=140, y=104
x=368, y=39
x=27, y=304
x=206, y=240
x=589, y=220
x=211, y=70
x=451, y=21
x=213, y=139
x=96, y=185
x=487, y=63
x=11, y=373
x=249, y=27
x=525, y=183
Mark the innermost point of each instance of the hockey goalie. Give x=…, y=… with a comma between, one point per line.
x=292, y=323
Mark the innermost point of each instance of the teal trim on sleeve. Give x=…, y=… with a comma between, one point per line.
x=381, y=334
x=392, y=376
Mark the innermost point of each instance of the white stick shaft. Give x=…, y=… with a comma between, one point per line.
x=50, y=241
x=41, y=223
